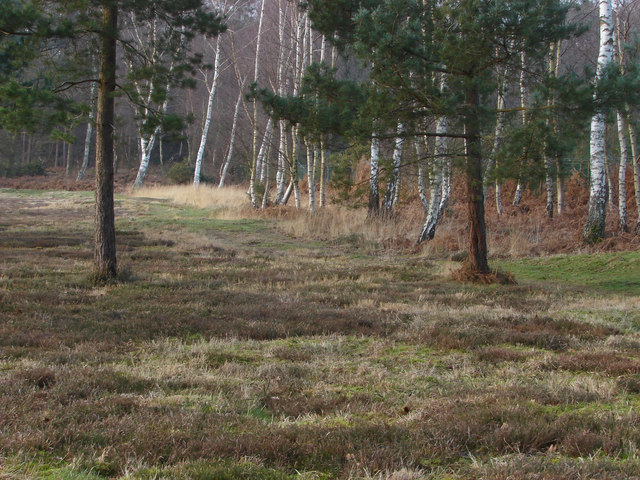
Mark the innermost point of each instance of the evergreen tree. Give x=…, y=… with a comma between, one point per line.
x=410, y=42
x=88, y=25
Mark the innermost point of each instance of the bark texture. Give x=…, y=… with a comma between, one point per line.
x=594, y=226
x=105, y=231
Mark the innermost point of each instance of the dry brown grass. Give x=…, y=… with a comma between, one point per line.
x=253, y=356
x=228, y=203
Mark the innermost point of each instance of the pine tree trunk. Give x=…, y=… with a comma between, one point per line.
x=209, y=115
x=477, y=230
x=105, y=232
x=595, y=224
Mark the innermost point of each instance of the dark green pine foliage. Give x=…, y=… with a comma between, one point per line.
x=73, y=31
x=408, y=43
x=28, y=101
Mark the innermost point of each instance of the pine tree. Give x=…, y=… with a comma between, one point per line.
x=409, y=42
x=86, y=26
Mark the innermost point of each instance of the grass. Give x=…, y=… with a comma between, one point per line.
x=234, y=351
x=617, y=272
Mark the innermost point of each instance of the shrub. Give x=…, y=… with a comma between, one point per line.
x=27, y=170
x=180, y=173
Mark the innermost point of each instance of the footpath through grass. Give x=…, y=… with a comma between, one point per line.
x=231, y=351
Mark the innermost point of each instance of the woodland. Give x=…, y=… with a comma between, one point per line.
x=350, y=239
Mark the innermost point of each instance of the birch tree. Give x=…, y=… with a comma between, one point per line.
x=89, y=133
x=209, y=114
x=595, y=223
x=394, y=180
x=254, y=151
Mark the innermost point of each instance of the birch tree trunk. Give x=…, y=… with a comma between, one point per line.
x=146, y=149
x=497, y=140
x=549, y=162
x=437, y=189
x=323, y=156
x=209, y=115
x=374, y=191
x=280, y=185
x=264, y=147
x=293, y=166
x=636, y=171
x=311, y=176
x=560, y=187
x=254, y=156
x=523, y=105
x=421, y=174
x=87, y=138
x=622, y=133
x=622, y=173
x=390, y=193
x=232, y=140
x=69, y=161
x=595, y=224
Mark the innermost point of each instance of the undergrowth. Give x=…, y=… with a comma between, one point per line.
x=239, y=352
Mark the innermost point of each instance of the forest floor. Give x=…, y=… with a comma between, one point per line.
x=230, y=350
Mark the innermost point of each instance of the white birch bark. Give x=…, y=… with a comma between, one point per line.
x=421, y=174
x=374, y=163
x=262, y=153
x=209, y=115
x=622, y=173
x=523, y=105
x=560, y=188
x=622, y=131
x=311, y=176
x=548, y=161
x=497, y=140
x=438, y=190
x=232, y=140
x=254, y=155
x=636, y=171
x=390, y=193
x=87, y=139
x=280, y=185
x=595, y=224
x=323, y=156
x=293, y=166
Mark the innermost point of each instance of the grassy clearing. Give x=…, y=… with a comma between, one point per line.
x=609, y=272
x=233, y=351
